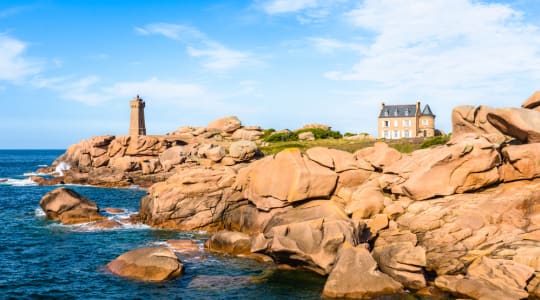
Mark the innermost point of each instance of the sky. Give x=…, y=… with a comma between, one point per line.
x=68, y=69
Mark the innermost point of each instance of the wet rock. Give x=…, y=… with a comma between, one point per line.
x=113, y=210
x=69, y=207
x=356, y=276
x=184, y=245
x=231, y=242
x=106, y=224
x=147, y=264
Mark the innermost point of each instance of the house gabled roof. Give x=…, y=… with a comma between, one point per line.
x=396, y=111
x=427, y=111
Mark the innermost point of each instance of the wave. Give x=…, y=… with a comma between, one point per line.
x=18, y=182
x=35, y=174
x=42, y=166
x=38, y=212
x=61, y=167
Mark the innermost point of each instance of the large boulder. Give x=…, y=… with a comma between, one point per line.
x=379, y=156
x=173, y=156
x=192, y=199
x=247, y=134
x=286, y=178
x=522, y=124
x=147, y=264
x=243, y=150
x=533, y=102
x=467, y=165
x=226, y=124
x=489, y=279
x=212, y=152
x=231, y=242
x=469, y=120
x=311, y=244
x=520, y=162
x=403, y=262
x=69, y=207
x=356, y=276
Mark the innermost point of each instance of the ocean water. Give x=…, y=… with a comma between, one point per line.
x=40, y=259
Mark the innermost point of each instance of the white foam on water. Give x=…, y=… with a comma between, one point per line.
x=38, y=212
x=42, y=166
x=61, y=167
x=19, y=182
x=35, y=174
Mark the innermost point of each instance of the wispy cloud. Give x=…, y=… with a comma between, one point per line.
x=287, y=6
x=172, y=31
x=326, y=45
x=14, y=65
x=220, y=58
x=91, y=90
x=216, y=56
x=305, y=11
x=8, y=12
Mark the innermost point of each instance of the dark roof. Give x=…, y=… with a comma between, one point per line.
x=427, y=111
x=406, y=110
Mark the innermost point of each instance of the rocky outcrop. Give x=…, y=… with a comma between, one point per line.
x=147, y=264
x=533, y=102
x=356, y=276
x=118, y=161
x=69, y=207
x=521, y=124
x=235, y=243
x=489, y=279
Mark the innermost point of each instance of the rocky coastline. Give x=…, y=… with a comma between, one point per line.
x=460, y=219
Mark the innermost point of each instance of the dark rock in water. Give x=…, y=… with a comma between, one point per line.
x=183, y=245
x=231, y=242
x=3, y=180
x=69, y=207
x=106, y=224
x=47, y=181
x=113, y=210
x=220, y=282
x=147, y=264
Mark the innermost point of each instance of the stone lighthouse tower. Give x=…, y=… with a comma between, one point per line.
x=136, y=125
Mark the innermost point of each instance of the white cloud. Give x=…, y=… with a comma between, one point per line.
x=172, y=31
x=220, y=58
x=288, y=6
x=91, y=90
x=13, y=64
x=326, y=45
x=217, y=57
x=447, y=51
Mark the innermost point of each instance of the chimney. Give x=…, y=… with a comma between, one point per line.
x=418, y=107
x=382, y=105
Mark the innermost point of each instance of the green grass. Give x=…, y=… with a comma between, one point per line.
x=403, y=145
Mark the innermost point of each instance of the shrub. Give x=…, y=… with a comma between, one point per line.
x=349, y=134
x=321, y=133
x=435, y=140
x=282, y=137
x=267, y=132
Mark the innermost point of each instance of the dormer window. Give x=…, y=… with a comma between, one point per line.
x=395, y=112
x=407, y=112
x=386, y=113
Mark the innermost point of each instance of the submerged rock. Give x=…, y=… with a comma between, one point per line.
x=147, y=264
x=69, y=207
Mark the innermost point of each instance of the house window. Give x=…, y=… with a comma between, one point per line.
x=386, y=134
x=425, y=122
x=406, y=133
x=396, y=134
x=406, y=123
x=385, y=123
x=396, y=123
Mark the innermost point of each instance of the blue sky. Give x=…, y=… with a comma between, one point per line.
x=68, y=69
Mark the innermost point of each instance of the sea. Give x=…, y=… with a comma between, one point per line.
x=41, y=259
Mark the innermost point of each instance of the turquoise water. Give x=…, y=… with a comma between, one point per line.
x=42, y=259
